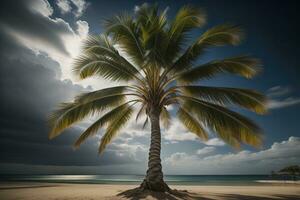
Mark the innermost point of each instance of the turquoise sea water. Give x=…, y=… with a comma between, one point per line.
x=136, y=179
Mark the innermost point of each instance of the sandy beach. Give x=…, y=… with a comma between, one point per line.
x=53, y=191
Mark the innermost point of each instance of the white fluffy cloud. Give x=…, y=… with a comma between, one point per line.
x=81, y=5
x=135, y=151
x=66, y=7
x=82, y=28
x=214, y=142
x=277, y=156
x=71, y=41
x=176, y=132
x=205, y=151
x=43, y=7
x=54, y=37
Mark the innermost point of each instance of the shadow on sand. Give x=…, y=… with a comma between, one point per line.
x=137, y=193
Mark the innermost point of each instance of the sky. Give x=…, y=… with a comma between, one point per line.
x=39, y=40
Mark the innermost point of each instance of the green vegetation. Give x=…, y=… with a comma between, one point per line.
x=154, y=61
x=293, y=171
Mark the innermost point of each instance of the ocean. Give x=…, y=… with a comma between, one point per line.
x=136, y=179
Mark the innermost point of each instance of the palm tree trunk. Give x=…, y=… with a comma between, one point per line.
x=154, y=177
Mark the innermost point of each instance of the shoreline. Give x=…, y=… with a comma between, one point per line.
x=196, y=180
x=172, y=183
x=51, y=191
x=279, y=181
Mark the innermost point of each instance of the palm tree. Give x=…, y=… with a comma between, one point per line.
x=153, y=58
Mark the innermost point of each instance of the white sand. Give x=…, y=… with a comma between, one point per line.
x=52, y=191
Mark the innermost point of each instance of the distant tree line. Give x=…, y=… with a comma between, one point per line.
x=290, y=172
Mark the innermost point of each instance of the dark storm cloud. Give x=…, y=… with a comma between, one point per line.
x=29, y=91
x=19, y=16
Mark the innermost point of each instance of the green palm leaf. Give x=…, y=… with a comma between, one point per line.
x=106, y=118
x=103, y=46
x=217, y=36
x=98, y=94
x=87, y=66
x=140, y=112
x=248, y=99
x=243, y=65
x=152, y=23
x=187, y=18
x=191, y=123
x=165, y=117
x=126, y=33
x=114, y=126
x=226, y=123
x=70, y=113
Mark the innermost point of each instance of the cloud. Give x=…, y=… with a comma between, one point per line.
x=290, y=101
x=176, y=132
x=279, y=99
x=137, y=151
x=136, y=8
x=214, y=142
x=36, y=24
x=31, y=87
x=82, y=29
x=278, y=91
x=46, y=34
x=64, y=6
x=34, y=78
x=25, y=104
x=205, y=151
x=81, y=5
x=43, y=7
x=277, y=156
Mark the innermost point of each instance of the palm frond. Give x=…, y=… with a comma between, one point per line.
x=98, y=94
x=165, y=117
x=87, y=66
x=126, y=33
x=114, y=126
x=230, y=126
x=217, y=36
x=140, y=112
x=102, y=46
x=245, y=98
x=70, y=113
x=243, y=66
x=106, y=118
x=146, y=122
x=191, y=123
x=220, y=35
x=187, y=18
x=152, y=22
x=99, y=44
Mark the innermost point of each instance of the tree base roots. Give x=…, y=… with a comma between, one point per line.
x=158, y=186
